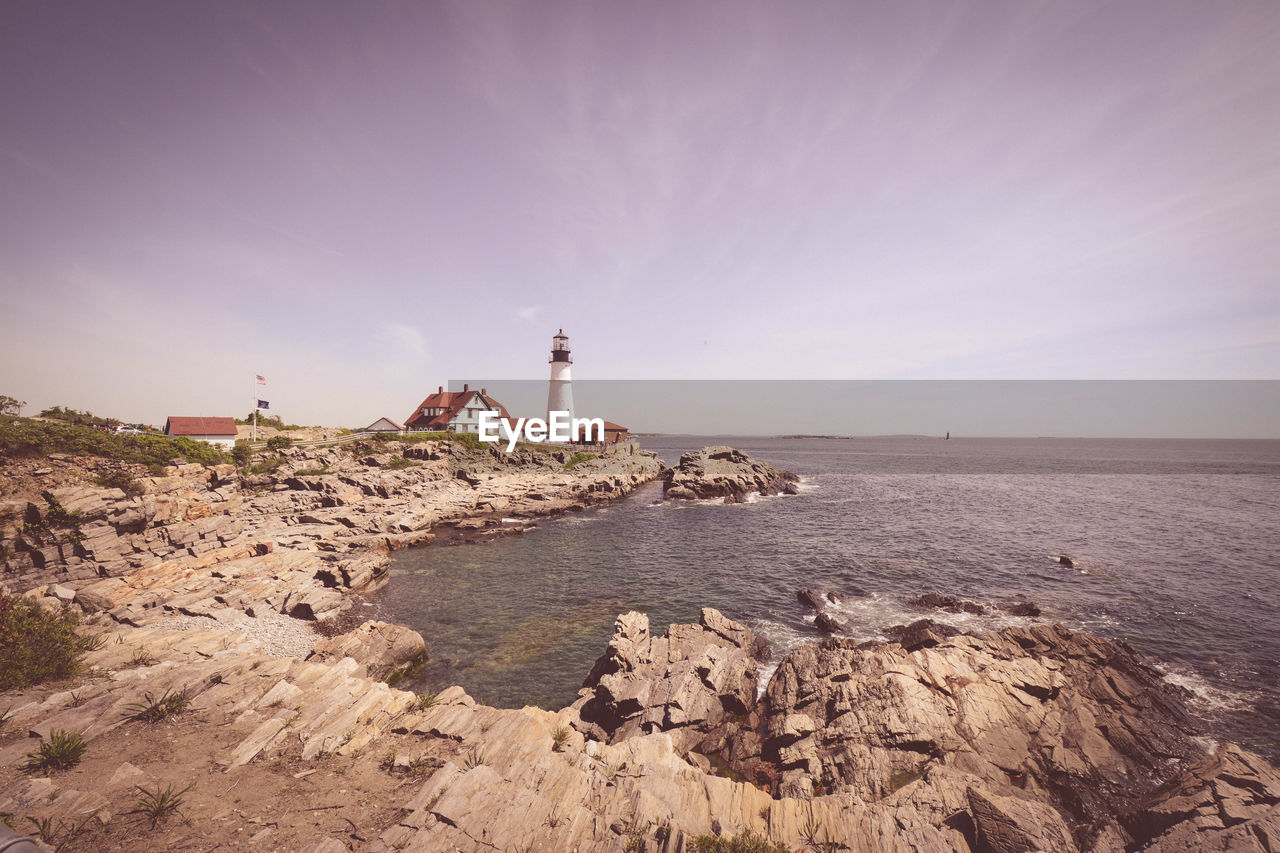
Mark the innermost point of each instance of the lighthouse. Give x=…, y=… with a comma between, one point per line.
x=560, y=392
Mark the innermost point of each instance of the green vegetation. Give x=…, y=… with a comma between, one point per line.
x=37, y=645
x=745, y=842
x=241, y=453
x=901, y=778
x=278, y=442
x=157, y=805
x=153, y=710
x=311, y=472
x=26, y=438
x=576, y=458
x=272, y=421
x=55, y=832
x=400, y=462
x=11, y=405
x=264, y=466
x=121, y=480
x=44, y=531
x=468, y=439
x=75, y=416
x=62, y=750
x=558, y=737
x=474, y=759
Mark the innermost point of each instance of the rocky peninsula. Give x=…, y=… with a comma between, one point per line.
x=209, y=684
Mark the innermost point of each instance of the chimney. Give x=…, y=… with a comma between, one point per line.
x=440, y=390
x=484, y=393
x=465, y=387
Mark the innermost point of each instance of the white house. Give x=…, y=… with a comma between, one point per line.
x=458, y=411
x=219, y=431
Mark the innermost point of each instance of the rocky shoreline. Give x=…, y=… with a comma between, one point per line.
x=1024, y=739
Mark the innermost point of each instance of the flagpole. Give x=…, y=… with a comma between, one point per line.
x=255, y=407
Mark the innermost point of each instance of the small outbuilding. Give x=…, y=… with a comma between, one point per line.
x=614, y=433
x=218, y=431
x=384, y=425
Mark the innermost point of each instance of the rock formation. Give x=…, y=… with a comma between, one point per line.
x=685, y=682
x=1023, y=739
x=723, y=472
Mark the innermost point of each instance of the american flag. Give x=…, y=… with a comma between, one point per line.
x=262, y=380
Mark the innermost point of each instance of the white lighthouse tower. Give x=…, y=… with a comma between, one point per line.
x=560, y=392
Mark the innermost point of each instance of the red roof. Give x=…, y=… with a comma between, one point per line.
x=610, y=426
x=200, y=426
x=452, y=402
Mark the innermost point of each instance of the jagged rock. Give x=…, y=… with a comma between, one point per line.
x=828, y=624
x=685, y=682
x=1015, y=825
x=1021, y=608
x=1067, y=561
x=949, y=603
x=381, y=647
x=920, y=634
x=715, y=472
x=1074, y=723
x=816, y=599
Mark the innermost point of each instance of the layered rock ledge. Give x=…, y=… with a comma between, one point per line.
x=299, y=539
x=723, y=472
x=1025, y=739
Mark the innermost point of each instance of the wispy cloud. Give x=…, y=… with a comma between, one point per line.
x=405, y=340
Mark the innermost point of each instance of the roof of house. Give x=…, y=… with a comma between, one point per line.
x=610, y=426
x=452, y=402
x=200, y=426
x=380, y=420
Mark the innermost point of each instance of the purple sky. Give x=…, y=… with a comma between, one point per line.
x=365, y=200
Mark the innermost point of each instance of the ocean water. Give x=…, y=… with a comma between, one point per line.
x=1176, y=545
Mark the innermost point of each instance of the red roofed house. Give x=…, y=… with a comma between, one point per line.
x=219, y=431
x=458, y=411
x=614, y=433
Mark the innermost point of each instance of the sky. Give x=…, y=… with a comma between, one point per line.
x=362, y=201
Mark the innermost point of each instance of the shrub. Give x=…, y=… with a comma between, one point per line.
x=400, y=462
x=576, y=458
x=279, y=442
x=311, y=472
x=62, y=750
x=264, y=466
x=121, y=480
x=241, y=454
x=745, y=842
x=467, y=439
x=25, y=438
x=36, y=644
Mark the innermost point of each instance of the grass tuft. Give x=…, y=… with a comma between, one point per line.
x=62, y=750
x=153, y=710
x=744, y=842
x=161, y=803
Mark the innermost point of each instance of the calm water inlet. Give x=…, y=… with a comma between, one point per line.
x=1176, y=546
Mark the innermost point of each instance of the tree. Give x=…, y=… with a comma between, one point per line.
x=11, y=405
